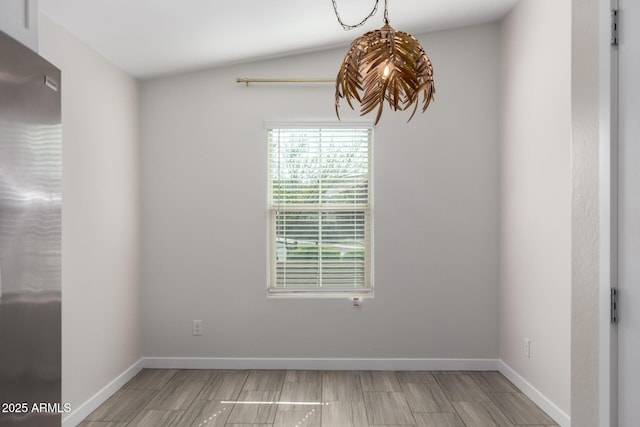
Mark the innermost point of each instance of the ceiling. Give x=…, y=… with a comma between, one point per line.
x=148, y=38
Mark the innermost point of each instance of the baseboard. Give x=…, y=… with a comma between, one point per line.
x=79, y=414
x=338, y=364
x=535, y=395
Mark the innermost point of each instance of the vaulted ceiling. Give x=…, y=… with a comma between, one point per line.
x=154, y=37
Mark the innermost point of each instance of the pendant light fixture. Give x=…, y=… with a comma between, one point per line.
x=384, y=65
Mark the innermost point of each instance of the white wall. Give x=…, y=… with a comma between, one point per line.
x=535, y=208
x=203, y=181
x=100, y=231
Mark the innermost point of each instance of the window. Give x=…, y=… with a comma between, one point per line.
x=320, y=219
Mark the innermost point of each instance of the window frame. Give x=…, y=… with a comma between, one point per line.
x=320, y=292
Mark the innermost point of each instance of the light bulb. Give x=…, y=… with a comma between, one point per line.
x=386, y=71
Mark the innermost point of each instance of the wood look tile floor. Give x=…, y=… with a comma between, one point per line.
x=214, y=398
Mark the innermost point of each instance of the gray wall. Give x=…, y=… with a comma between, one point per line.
x=535, y=207
x=100, y=266
x=203, y=188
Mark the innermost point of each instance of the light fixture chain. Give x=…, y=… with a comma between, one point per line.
x=361, y=23
x=386, y=12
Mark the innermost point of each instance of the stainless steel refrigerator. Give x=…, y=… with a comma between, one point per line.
x=30, y=238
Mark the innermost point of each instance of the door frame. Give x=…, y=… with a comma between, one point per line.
x=608, y=115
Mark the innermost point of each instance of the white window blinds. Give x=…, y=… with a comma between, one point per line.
x=320, y=210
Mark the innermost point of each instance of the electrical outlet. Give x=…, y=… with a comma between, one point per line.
x=527, y=348
x=197, y=327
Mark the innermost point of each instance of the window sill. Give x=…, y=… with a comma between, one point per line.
x=314, y=294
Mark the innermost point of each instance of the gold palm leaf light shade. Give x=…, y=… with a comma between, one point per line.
x=385, y=65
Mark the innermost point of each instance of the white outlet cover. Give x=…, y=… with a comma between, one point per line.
x=197, y=327
x=527, y=347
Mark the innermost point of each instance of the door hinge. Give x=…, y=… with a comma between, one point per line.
x=614, y=306
x=614, y=27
